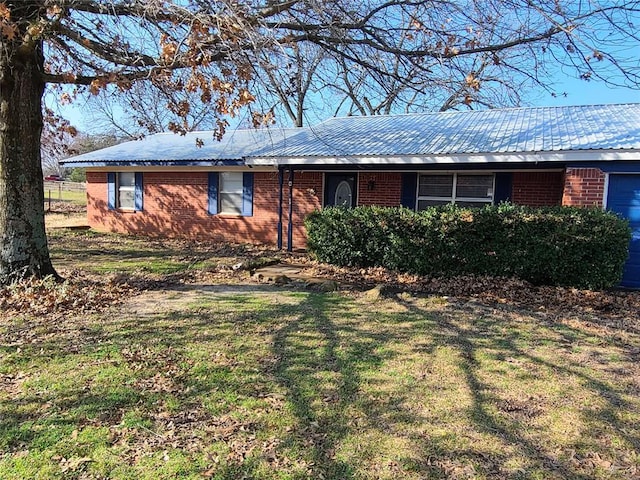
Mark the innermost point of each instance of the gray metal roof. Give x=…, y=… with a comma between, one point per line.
x=514, y=130
x=171, y=148
x=504, y=131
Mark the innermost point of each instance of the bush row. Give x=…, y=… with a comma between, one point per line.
x=580, y=247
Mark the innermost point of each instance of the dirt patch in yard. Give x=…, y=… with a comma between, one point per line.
x=178, y=297
x=66, y=220
x=65, y=215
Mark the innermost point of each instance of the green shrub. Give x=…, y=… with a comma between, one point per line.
x=580, y=247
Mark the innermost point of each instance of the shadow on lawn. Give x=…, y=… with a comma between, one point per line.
x=468, y=343
x=322, y=414
x=320, y=349
x=299, y=367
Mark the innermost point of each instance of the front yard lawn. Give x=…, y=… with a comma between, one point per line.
x=254, y=381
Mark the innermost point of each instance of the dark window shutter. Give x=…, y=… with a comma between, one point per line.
x=247, y=194
x=138, y=199
x=408, y=190
x=111, y=191
x=504, y=181
x=212, y=193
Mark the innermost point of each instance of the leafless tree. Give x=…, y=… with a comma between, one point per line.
x=287, y=79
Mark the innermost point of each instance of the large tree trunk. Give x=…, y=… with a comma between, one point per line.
x=23, y=243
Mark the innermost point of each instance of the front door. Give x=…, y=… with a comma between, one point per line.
x=340, y=190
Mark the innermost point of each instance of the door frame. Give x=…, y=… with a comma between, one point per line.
x=343, y=175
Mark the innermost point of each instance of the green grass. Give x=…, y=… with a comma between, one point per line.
x=288, y=384
x=79, y=198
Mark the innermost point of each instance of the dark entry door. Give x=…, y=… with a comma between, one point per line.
x=340, y=189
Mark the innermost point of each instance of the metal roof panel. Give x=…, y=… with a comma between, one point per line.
x=513, y=130
x=500, y=131
x=171, y=147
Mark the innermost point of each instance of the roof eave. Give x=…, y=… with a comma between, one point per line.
x=152, y=163
x=472, y=158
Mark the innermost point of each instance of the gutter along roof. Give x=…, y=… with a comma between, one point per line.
x=515, y=135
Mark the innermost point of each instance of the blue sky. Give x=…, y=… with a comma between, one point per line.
x=578, y=92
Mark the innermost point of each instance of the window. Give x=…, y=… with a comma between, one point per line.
x=462, y=189
x=124, y=191
x=231, y=193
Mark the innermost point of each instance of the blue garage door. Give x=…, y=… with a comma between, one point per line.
x=624, y=198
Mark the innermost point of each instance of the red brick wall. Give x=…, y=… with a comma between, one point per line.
x=307, y=197
x=537, y=189
x=583, y=187
x=96, y=199
x=175, y=205
x=385, y=192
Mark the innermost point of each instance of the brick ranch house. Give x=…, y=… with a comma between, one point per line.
x=258, y=185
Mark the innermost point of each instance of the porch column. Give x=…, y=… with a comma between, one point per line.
x=280, y=197
x=290, y=226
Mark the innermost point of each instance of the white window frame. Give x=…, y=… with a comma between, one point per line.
x=453, y=198
x=125, y=188
x=222, y=192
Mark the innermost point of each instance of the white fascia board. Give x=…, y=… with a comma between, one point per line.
x=477, y=158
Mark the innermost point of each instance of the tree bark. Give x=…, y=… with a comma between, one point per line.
x=23, y=243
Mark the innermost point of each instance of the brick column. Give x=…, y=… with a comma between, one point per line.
x=583, y=187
